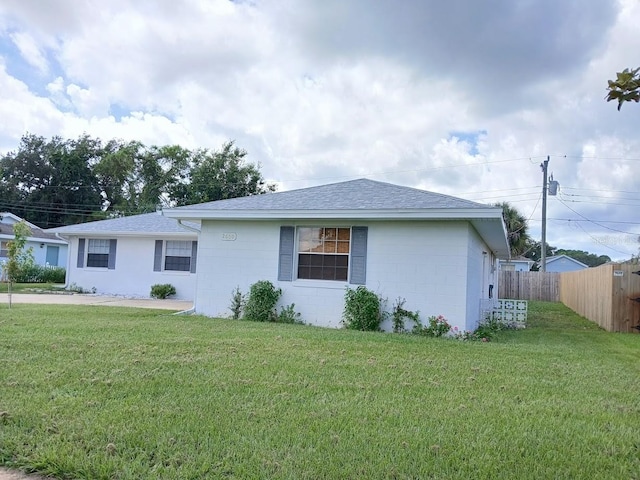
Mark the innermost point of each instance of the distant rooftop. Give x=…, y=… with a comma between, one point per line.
x=151, y=223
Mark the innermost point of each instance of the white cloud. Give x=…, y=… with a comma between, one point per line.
x=30, y=50
x=324, y=91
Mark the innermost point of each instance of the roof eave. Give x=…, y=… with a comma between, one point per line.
x=115, y=233
x=355, y=214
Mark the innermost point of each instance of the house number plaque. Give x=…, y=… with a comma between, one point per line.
x=229, y=236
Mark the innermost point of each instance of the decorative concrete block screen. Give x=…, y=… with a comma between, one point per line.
x=504, y=310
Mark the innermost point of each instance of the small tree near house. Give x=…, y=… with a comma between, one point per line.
x=19, y=258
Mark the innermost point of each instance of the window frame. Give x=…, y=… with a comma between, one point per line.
x=107, y=243
x=320, y=265
x=5, y=249
x=165, y=249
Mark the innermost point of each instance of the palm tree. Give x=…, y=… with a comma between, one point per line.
x=517, y=227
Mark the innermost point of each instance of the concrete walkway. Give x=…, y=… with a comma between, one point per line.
x=85, y=299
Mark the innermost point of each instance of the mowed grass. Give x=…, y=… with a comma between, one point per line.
x=31, y=287
x=115, y=393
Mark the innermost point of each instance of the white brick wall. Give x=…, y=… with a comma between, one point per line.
x=133, y=274
x=426, y=263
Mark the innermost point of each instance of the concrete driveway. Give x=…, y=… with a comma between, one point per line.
x=84, y=299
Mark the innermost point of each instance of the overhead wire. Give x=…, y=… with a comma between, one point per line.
x=591, y=221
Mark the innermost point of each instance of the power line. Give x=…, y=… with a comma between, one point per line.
x=564, y=187
x=601, y=243
x=591, y=221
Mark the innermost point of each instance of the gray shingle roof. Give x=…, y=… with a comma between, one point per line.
x=135, y=224
x=37, y=233
x=361, y=194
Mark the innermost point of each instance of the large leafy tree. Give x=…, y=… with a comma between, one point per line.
x=626, y=87
x=59, y=182
x=517, y=229
x=219, y=175
x=50, y=182
x=116, y=175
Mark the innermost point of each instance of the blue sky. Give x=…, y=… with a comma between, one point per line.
x=451, y=97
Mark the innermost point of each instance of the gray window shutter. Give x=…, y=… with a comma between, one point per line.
x=80, y=263
x=359, y=255
x=157, y=257
x=112, y=254
x=194, y=255
x=285, y=260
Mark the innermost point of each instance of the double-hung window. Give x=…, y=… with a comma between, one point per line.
x=178, y=256
x=98, y=253
x=323, y=253
x=4, y=248
x=175, y=256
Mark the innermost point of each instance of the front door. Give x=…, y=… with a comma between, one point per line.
x=52, y=255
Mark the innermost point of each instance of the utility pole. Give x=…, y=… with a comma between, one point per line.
x=543, y=244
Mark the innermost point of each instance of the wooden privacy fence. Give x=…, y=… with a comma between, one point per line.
x=608, y=295
x=529, y=285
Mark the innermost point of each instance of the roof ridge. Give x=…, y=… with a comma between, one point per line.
x=425, y=196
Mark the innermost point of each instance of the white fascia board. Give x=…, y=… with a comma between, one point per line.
x=112, y=234
x=34, y=239
x=46, y=240
x=421, y=214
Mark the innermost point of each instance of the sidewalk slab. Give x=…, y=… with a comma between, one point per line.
x=103, y=300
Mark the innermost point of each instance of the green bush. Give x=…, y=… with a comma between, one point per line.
x=362, y=309
x=288, y=314
x=31, y=273
x=261, y=302
x=437, y=327
x=162, y=290
x=400, y=314
x=238, y=301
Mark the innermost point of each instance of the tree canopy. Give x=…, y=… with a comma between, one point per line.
x=591, y=259
x=54, y=182
x=517, y=229
x=626, y=87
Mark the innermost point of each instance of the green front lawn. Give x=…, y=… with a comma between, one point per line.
x=105, y=393
x=31, y=287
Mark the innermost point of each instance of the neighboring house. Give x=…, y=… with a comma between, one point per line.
x=47, y=248
x=436, y=251
x=519, y=264
x=127, y=255
x=564, y=263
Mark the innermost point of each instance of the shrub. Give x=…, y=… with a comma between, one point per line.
x=487, y=330
x=238, y=301
x=437, y=327
x=261, y=302
x=162, y=290
x=32, y=273
x=362, y=309
x=288, y=314
x=399, y=315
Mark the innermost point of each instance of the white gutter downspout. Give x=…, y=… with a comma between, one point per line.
x=187, y=226
x=66, y=277
x=191, y=310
